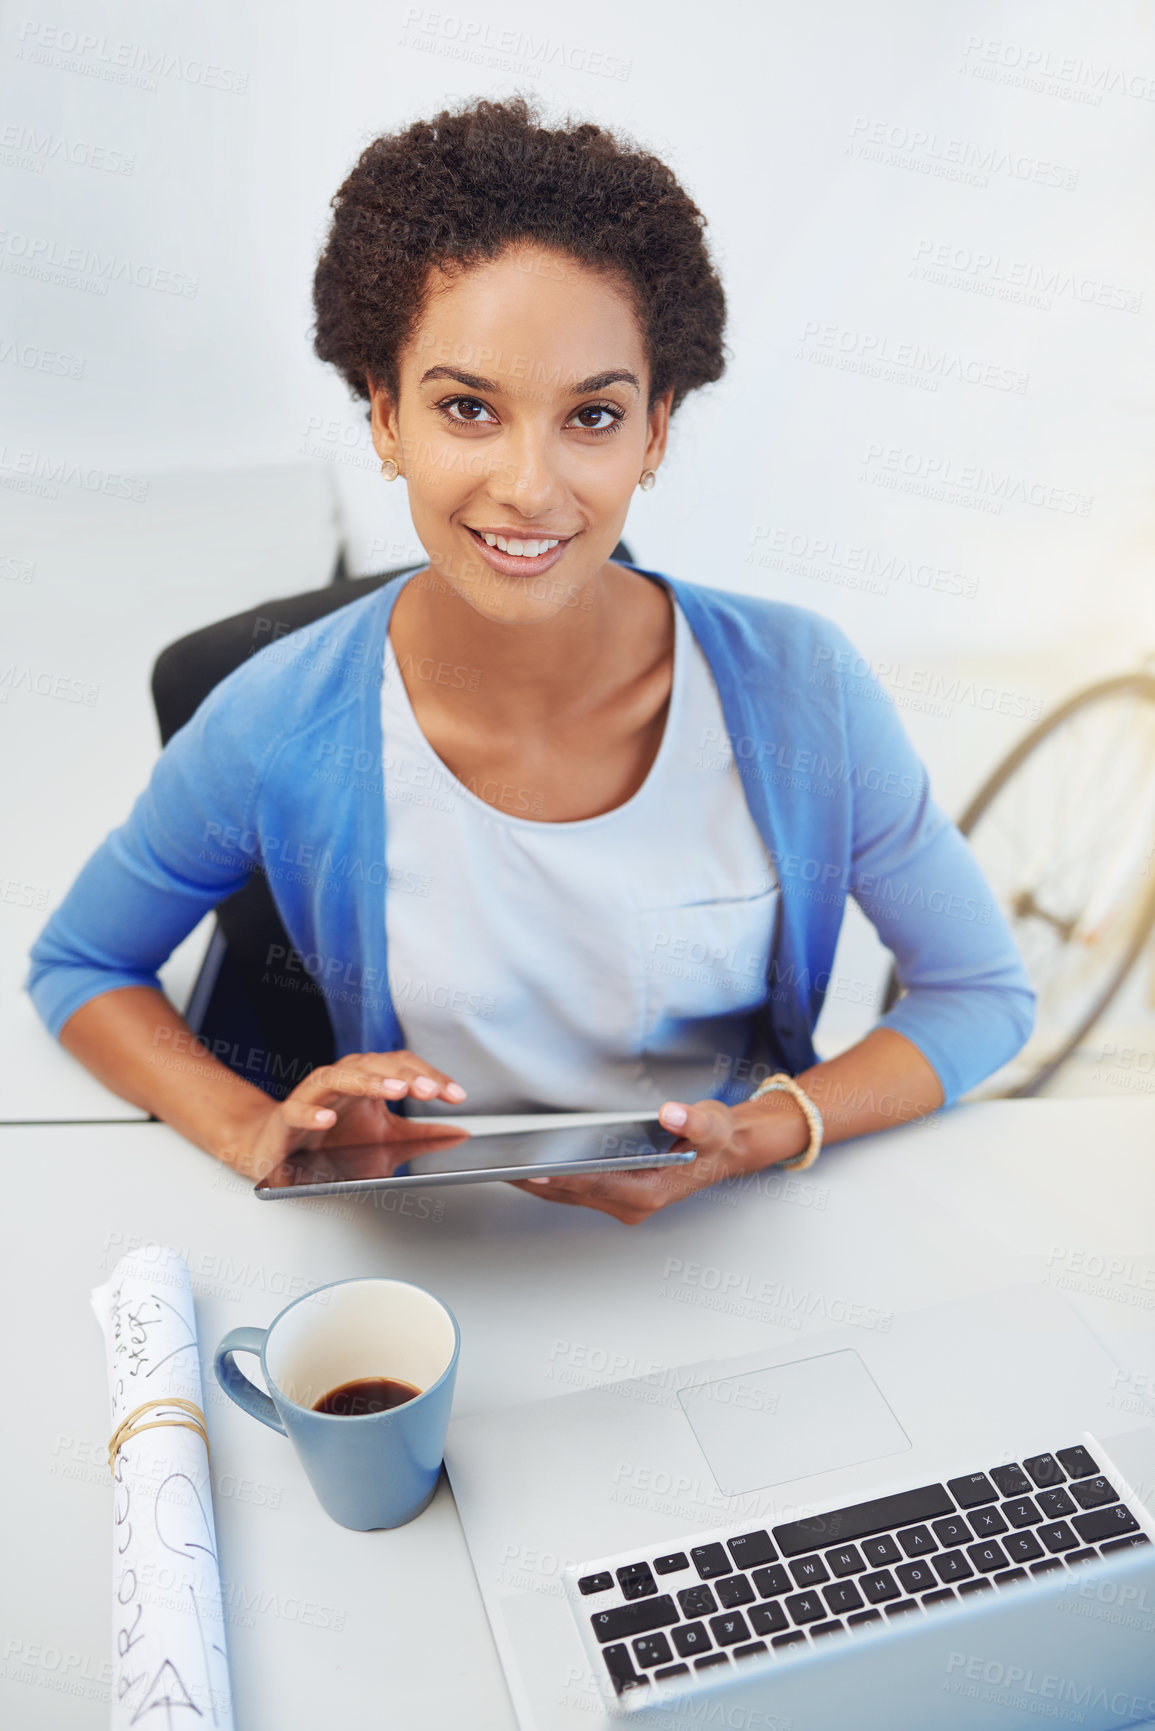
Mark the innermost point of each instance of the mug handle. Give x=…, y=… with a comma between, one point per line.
x=234, y=1381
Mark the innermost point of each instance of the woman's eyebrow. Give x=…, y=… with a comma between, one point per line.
x=596, y=381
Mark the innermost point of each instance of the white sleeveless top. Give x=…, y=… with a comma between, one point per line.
x=605, y=964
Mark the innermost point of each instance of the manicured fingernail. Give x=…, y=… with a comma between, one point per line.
x=394, y=1085
x=425, y=1085
x=673, y=1116
x=454, y=1091
x=326, y=1116
x=539, y=1180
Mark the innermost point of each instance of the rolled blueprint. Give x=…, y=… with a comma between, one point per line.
x=168, y=1639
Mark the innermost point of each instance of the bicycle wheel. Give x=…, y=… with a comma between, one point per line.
x=1064, y=830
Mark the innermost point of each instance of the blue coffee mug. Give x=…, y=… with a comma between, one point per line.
x=376, y=1469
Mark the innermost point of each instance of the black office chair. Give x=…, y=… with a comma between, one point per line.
x=253, y=1003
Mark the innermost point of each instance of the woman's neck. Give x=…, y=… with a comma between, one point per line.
x=618, y=629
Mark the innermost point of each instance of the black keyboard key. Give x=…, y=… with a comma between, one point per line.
x=673, y=1671
x=879, y=1552
x=1094, y=1493
x=987, y=1523
x=770, y=1582
x=710, y=1560
x=971, y=1490
x=1125, y=1544
x=952, y=1566
x=596, y=1583
x=767, y=1619
x=879, y=1586
x=1006, y=1575
x=987, y=1557
x=621, y=1668
x=1104, y=1524
x=980, y=1586
x=916, y=1577
x=711, y=1659
x=861, y=1519
x=671, y=1564
x=842, y=1596
x=690, y=1639
x=751, y=1650
x=952, y=1530
x=636, y=1581
x=734, y=1590
x=805, y=1607
x=1077, y=1462
x=730, y=1628
x=1045, y=1470
x=1087, y=1555
x=697, y=1601
x=1023, y=1512
x=794, y=1639
x=1046, y=1567
x=651, y=1650
x=636, y=1619
x=901, y=1607
x=844, y=1560
x=1055, y=1504
x=937, y=1597
x=917, y=1541
x=833, y=1627
x=1022, y=1547
x=809, y=1572
x=751, y=1549
x=861, y=1617
x=1058, y=1536
x=1011, y=1481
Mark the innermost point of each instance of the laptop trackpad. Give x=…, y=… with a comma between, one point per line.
x=766, y=1427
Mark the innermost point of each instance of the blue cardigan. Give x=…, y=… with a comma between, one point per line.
x=273, y=769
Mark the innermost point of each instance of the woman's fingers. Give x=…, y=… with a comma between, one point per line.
x=631, y=1197
x=706, y=1127
x=375, y=1075
x=423, y=1080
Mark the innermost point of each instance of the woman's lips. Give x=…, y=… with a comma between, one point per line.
x=516, y=564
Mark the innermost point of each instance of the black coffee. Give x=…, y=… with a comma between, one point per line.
x=365, y=1395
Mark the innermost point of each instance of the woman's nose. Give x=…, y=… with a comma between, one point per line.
x=526, y=477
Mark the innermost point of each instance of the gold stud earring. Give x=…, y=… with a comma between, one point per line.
x=648, y=477
x=389, y=469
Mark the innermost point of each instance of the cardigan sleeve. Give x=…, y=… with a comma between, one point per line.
x=185, y=846
x=969, y=1005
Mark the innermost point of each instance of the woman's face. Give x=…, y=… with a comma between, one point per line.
x=522, y=414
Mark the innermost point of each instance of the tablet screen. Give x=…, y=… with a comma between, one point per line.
x=459, y=1158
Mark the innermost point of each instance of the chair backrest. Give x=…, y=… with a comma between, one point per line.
x=254, y=1004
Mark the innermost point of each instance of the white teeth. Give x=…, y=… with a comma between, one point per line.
x=522, y=549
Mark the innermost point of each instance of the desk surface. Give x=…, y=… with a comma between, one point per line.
x=329, y=1625
x=101, y=586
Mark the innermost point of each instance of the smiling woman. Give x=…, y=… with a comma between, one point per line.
x=633, y=809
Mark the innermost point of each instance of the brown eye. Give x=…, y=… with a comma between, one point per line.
x=597, y=424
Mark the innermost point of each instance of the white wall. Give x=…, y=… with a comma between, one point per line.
x=823, y=431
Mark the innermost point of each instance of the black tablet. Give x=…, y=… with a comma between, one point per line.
x=459, y=1158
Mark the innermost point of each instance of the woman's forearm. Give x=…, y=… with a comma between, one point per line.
x=882, y=1081
x=136, y=1043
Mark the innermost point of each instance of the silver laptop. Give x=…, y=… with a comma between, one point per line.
x=944, y=1524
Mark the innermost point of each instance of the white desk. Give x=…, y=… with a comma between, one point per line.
x=109, y=583
x=334, y=1627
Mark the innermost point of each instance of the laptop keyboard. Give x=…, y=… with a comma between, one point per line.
x=670, y=1614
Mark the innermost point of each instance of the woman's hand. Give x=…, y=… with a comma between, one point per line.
x=343, y=1103
x=729, y=1139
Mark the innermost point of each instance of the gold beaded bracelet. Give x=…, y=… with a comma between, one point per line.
x=781, y=1082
